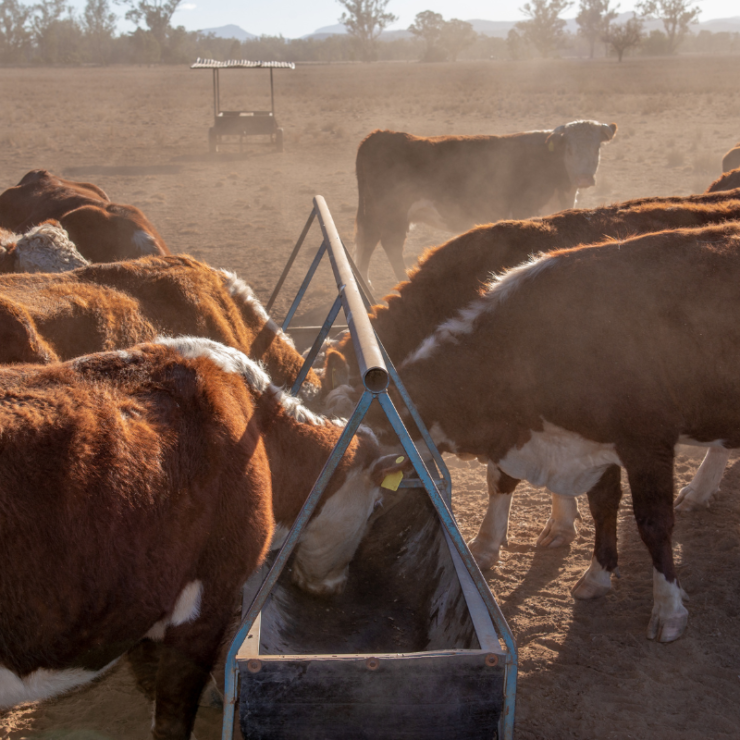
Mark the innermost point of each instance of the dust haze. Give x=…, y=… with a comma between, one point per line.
x=140, y=133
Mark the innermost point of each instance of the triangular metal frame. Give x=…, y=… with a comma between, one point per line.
x=376, y=370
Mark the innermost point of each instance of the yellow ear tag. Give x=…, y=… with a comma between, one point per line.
x=393, y=480
x=551, y=145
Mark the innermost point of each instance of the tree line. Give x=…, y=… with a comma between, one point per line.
x=51, y=32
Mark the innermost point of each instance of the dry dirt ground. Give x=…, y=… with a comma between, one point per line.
x=587, y=670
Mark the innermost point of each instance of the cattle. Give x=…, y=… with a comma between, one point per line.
x=450, y=276
x=44, y=318
x=139, y=489
x=731, y=160
x=101, y=230
x=580, y=361
x=455, y=182
x=729, y=181
x=44, y=248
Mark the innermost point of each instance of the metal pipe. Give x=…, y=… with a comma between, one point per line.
x=304, y=286
x=373, y=371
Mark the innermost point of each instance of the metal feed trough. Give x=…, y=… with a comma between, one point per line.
x=416, y=645
x=242, y=123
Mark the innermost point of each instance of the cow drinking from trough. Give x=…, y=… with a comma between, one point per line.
x=139, y=489
x=455, y=182
x=102, y=231
x=450, y=276
x=592, y=358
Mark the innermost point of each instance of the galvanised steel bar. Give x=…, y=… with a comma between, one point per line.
x=364, y=287
x=311, y=356
x=369, y=357
x=406, y=398
x=304, y=285
x=448, y=522
x=291, y=260
x=230, y=678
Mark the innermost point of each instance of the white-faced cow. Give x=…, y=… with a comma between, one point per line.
x=112, y=306
x=450, y=277
x=102, y=231
x=139, y=489
x=44, y=248
x=584, y=360
x=455, y=182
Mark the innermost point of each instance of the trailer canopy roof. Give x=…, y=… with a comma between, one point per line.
x=239, y=64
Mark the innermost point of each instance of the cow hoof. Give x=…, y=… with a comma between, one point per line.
x=485, y=555
x=689, y=499
x=556, y=534
x=667, y=629
x=595, y=582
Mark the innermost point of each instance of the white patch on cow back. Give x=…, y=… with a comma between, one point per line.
x=231, y=360
x=144, y=242
x=331, y=539
x=42, y=684
x=499, y=289
x=237, y=288
x=563, y=461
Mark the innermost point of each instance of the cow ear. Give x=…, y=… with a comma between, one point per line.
x=336, y=370
x=607, y=131
x=556, y=139
x=387, y=471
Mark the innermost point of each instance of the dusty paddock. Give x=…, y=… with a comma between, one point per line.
x=587, y=670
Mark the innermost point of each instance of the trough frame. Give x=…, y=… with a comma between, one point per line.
x=376, y=370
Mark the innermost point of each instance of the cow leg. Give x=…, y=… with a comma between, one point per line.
x=392, y=240
x=699, y=493
x=603, y=500
x=186, y=659
x=567, y=198
x=494, y=528
x=560, y=529
x=651, y=480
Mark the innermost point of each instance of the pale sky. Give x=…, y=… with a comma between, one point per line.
x=295, y=18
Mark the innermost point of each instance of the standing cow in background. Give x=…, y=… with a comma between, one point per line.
x=102, y=231
x=455, y=182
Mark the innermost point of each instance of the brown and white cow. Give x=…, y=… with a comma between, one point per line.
x=731, y=160
x=584, y=360
x=101, y=230
x=728, y=181
x=450, y=276
x=139, y=489
x=44, y=248
x=455, y=182
x=112, y=306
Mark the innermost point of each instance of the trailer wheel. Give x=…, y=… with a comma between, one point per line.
x=212, y=140
x=279, y=140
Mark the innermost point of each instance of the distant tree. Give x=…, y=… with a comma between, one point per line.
x=456, y=36
x=365, y=21
x=15, y=32
x=593, y=19
x=516, y=46
x=676, y=15
x=544, y=29
x=57, y=38
x=156, y=14
x=624, y=36
x=429, y=26
x=99, y=24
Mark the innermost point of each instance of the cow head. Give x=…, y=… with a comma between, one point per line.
x=332, y=537
x=579, y=143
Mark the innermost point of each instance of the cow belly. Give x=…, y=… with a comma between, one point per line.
x=424, y=211
x=42, y=684
x=563, y=461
